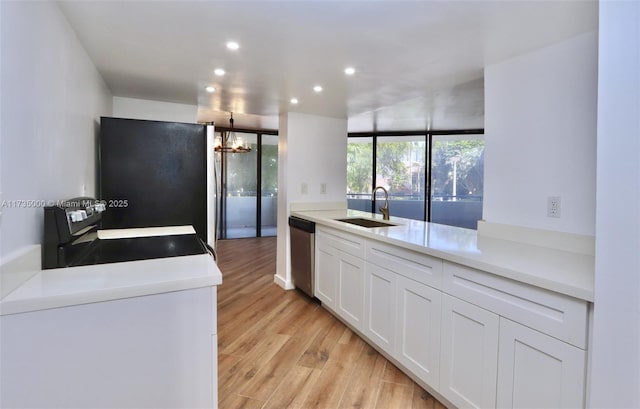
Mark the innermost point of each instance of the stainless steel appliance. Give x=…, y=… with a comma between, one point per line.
x=71, y=238
x=302, y=239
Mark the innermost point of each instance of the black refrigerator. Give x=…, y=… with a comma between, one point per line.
x=153, y=173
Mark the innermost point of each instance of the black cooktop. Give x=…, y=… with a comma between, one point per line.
x=140, y=248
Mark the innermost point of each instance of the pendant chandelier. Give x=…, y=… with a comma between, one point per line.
x=228, y=141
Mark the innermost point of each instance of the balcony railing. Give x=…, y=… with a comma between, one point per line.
x=461, y=211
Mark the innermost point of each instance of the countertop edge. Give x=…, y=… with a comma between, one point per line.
x=27, y=298
x=568, y=289
x=45, y=303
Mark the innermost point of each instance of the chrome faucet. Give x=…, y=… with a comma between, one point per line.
x=384, y=210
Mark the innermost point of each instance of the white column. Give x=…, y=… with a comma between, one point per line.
x=614, y=373
x=312, y=150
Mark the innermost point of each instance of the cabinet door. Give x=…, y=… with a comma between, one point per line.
x=350, y=303
x=538, y=371
x=469, y=354
x=380, y=307
x=326, y=273
x=419, y=316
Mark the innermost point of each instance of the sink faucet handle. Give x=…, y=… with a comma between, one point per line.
x=385, y=212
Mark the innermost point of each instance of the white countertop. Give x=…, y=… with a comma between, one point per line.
x=63, y=287
x=559, y=271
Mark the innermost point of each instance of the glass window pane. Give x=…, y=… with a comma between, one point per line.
x=457, y=180
x=241, y=191
x=400, y=168
x=269, y=211
x=359, y=173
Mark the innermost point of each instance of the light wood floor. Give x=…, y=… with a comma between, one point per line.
x=279, y=349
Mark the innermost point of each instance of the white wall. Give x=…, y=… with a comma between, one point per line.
x=540, y=133
x=317, y=153
x=615, y=353
x=312, y=150
x=52, y=99
x=154, y=110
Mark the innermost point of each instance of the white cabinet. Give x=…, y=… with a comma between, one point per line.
x=469, y=360
x=380, y=307
x=419, y=312
x=403, y=318
x=151, y=351
x=326, y=272
x=555, y=314
x=350, y=301
x=538, y=371
x=339, y=274
x=478, y=339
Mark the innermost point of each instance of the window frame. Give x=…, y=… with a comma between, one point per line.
x=428, y=135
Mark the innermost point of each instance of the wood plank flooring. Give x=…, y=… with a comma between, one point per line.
x=279, y=349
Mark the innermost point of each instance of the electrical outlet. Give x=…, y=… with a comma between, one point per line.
x=304, y=188
x=553, y=206
x=323, y=188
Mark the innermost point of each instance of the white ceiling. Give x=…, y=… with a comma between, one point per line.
x=419, y=64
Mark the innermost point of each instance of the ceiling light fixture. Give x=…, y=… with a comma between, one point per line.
x=210, y=89
x=349, y=70
x=219, y=72
x=228, y=141
x=317, y=88
x=232, y=45
x=294, y=100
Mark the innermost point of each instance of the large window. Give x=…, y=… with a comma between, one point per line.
x=457, y=179
x=249, y=188
x=359, y=173
x=450, y=164
x=400, y=168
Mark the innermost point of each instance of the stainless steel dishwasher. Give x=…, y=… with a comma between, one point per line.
x=302, y=239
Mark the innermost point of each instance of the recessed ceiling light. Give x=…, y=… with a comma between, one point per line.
x=317, y=88
x=294, y=100
x=232, y=45
x=349, y=70
x=219, y=72
x=210, y=89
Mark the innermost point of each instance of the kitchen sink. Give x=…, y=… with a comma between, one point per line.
x=358, y=221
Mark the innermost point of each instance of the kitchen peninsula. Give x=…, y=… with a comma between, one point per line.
x=129, y=334
x=476, y=320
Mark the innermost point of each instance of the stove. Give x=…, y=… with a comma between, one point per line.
x=72, y=239
x=141, y=248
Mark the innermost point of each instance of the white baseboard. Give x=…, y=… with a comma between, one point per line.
x=18, y=267
x=574, y=243
x=286, y=285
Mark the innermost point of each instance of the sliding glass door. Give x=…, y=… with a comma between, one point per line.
x=249, y=187
x=269, y=182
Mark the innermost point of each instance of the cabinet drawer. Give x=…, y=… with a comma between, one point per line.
x=419, y=267
x=348, y=243
x=554, y=314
